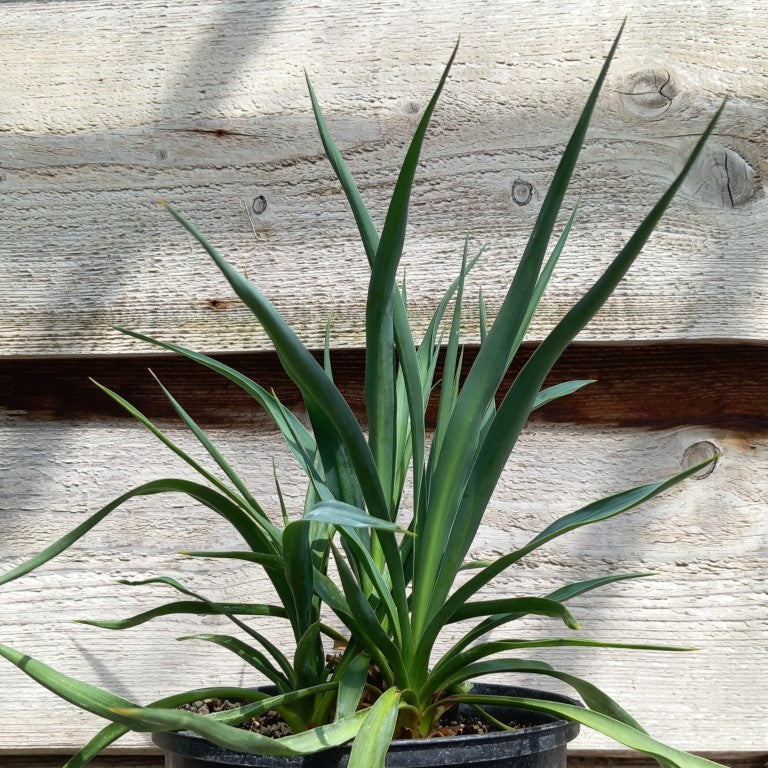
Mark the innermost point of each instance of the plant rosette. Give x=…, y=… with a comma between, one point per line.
x=537, y=741
x=394, y=587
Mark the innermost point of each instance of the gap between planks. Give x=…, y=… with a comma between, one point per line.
x=645, y=385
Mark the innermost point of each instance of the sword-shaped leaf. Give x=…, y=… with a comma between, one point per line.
x=432, y=580
x=591, y=513
x=315, y=740
x=562, y=594
x=369, y=749
x=513, y=412
x=615, y=729
x=294, y=432
x=190, y=607
x=352, y=685
x=235, y=515
x=347, y=516
x=303, y=369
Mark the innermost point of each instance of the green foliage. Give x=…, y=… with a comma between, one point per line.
x=396, y=586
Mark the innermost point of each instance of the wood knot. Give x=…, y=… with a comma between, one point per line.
x=219, y=304
x=521, y=192
x=722, y=177
x=696, y=453
x=259, y=204
x=412, y=108
x=648, y=93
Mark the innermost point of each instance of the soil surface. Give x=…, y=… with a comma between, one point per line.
x=272, y=724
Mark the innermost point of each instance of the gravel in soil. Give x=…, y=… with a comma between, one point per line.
x=272, y=724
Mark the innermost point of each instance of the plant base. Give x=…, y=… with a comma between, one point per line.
x=541, y=743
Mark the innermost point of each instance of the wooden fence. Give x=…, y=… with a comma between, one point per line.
x=107, y=106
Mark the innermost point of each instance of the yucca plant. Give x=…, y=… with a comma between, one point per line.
x=394, y=586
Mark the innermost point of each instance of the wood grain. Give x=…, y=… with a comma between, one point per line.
x=108, y=105
x=707, y=540
x=651, y=385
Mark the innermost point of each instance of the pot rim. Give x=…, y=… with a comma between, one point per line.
x=552, y=733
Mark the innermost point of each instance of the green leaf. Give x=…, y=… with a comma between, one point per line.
x=282, y=702
x=456, y=662
x=308, y=742
x=327, y=349
x=402, y=331
x=351, y=686
x=451, y=365
x=298, y=572
x=365, y=225
x=379, y=324
x=365, y=565
x=333, y=597
x=365, y=626
x=317, y=390
x=337, y=467
x=223, y=464
x=479, y=669
x=621, y=732
x=270, y=562
x=372, y=742
x=304, y=370
x=559, y=390
x=299, y=439
x=541, y=285
x=97, y=744
x=513, y=412
x=562, y=594
x=235, y=515
x=593, y=697
x=256, y=511
x=83, y=695
x=483, y=315
x=345, y=515
x=308, y=661
x=539, y=606
x=189, y=607
x=441, y=550
x=592, y=513
x=114, y=731
x=220, y=608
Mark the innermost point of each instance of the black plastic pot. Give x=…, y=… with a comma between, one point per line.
x=540, y=744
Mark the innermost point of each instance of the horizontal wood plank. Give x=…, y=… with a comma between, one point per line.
x=657, y=385
x=100, y=118
x=108, y=105
x=707, y=540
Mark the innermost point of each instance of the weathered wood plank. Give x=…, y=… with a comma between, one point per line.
x=636, y=385
x=109, y=105
x=707, y=540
